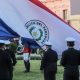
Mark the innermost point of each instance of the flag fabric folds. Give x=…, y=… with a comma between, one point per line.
x=36, y=20
x=31, y=42
x=12, y=18
x=6, y=32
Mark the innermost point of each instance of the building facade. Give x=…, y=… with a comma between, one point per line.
x=62, y=9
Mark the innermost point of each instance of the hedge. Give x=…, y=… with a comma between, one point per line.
x=32, y=57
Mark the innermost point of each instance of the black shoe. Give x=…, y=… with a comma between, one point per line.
x=25, y=71
x=28, y=71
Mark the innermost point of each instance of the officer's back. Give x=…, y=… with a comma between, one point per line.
x=72, y=57
x=5, y=64
x=70, y=61
x=49, y=63
x=50, y=57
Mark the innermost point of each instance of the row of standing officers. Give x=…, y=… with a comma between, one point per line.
x=70, y=61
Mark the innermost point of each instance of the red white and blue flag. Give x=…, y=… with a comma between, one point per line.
x=31, y=19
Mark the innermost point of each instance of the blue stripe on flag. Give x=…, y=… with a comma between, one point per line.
x=31, y=42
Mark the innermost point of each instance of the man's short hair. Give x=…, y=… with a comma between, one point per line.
x=71, y=44
x=2, y=44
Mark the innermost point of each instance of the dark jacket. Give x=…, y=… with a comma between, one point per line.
x=49, y=61
x=5, y=65
x=12, y=55
x=71, y=60
x=70, y=57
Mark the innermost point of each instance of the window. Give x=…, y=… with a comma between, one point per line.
x=65, y=14
x=69, y=21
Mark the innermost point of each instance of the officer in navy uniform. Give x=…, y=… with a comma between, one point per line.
x=5, y=64
x=49, y=63
x=12, y=56
x=70, y=61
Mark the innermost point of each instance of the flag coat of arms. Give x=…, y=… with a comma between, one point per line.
x=37, y=20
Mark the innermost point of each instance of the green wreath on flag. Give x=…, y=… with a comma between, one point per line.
x=41, y=33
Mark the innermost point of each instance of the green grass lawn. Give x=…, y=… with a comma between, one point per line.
x=35, y=73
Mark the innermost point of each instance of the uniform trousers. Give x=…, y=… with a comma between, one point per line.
x=27, y=65
x=49, y=75
x=71, y=74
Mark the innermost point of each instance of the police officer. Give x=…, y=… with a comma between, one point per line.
x=5, y=64
x=70, y=61
x=49, y=63
x=12, y=56
x=11, y=53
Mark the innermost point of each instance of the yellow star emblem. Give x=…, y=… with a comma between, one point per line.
x=35, y=34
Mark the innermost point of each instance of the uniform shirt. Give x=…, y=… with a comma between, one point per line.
x=70, y=58
x=26, y=50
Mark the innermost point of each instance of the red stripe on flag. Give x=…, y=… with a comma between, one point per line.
x=38, y=3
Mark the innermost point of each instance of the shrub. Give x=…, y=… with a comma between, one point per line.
x=32, y=57
x=19, y=57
